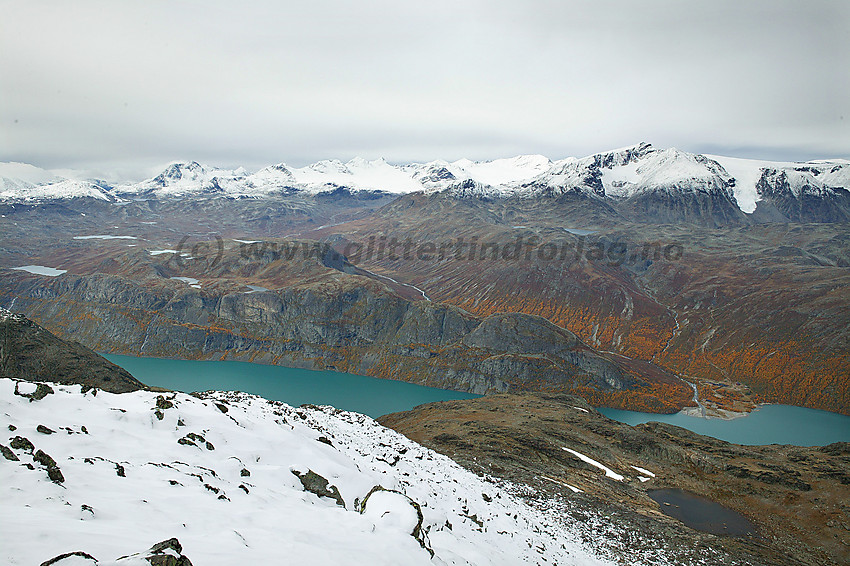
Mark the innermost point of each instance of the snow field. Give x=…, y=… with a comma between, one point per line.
x=227, y=491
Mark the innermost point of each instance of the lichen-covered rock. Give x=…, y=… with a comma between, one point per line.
x=191, y=439
x=7, y=453
x=314, y=483
x=55, y=474
x=394, y=510
x=44, y=430
x=53, y=471
x=42, y=390
x=44, y=459
x=21, y=443
x=167, y=553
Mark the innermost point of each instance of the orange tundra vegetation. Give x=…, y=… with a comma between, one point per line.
x=641, y=338
x=775, y=373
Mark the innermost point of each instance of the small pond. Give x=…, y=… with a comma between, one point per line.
x=702, y=514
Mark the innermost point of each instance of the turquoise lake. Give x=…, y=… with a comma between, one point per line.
x=770, y=424
x=367, y=395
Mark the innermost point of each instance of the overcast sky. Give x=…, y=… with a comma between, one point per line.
x=133, y=85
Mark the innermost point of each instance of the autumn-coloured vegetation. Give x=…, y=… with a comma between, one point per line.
x=766, y=306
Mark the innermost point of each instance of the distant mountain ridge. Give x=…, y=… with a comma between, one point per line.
x=661, y=185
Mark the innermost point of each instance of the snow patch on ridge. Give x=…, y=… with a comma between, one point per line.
x=41, y=270
x=608, y=471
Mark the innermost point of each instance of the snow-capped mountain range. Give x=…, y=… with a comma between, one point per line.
x=616, y=175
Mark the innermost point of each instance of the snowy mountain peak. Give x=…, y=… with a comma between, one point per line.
x=358, y=162
x=637, y=169
x=17, y=179
x=183, y=178
x=279, y=168
x=26, y=174
x=274, y=178
x=177, y=172
x=504, y=171
x=795, y=182
x=329, y=166
x=624, y=155
x=754, y=178
x=434, y=174
x=358, y=174
x=59, y=190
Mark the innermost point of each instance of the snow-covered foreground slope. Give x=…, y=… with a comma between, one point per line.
x=219, y=474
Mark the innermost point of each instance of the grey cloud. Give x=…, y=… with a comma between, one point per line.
x=89, y=84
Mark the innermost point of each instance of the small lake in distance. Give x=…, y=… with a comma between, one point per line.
x=770, y=424
x=367, y=395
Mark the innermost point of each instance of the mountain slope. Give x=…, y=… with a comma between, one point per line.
x=800, y=195
x=28, y=351
x=533, y=438
x=242, y=480
x=649, y=185
x=777, y=183
x=315, y=310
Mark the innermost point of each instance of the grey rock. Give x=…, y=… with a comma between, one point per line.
x=314, y=483
x=53, y=471
x=8, y=454
x=42, y=390
x=417, y=529
x=21, y=443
